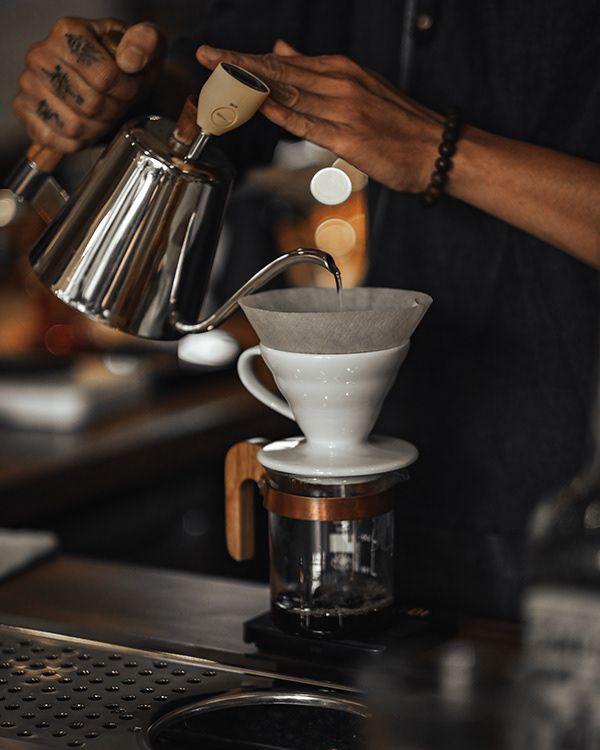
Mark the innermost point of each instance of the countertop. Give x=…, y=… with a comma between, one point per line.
x=188, y=613
x=124, y=602
x=200, y=616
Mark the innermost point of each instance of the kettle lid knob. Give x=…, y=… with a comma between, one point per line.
x=229, y=98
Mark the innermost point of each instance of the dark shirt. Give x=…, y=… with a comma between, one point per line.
x=497, y=389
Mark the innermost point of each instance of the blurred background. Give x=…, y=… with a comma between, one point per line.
x=113, y=443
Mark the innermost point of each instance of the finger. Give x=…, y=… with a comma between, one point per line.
x=140, y=45
x=90, y=106
x=101, y=26
x=40, y=132
x=75, y=43
x=273, y=69
x=334, y=136
x=59, y=117
x=332, y=64
x=302, y=101
x=65, y=82
x=342, y=67
x=310, y=128
x=337, y=66
x=335, y=101
x=281, y=47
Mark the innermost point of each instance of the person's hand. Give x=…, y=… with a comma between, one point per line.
x=73, y=90
x=332, y=101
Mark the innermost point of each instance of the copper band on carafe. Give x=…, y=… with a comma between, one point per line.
x=305, y=508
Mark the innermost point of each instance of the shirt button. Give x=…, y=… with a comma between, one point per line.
x=424, y=22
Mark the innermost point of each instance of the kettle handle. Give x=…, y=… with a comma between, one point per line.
x=45, y=159
x=31, y=179
x=242, y=475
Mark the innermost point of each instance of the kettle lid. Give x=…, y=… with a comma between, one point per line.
x=155, y=136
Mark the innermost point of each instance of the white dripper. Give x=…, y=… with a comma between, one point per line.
x=334, y=368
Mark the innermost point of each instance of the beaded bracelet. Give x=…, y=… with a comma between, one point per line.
x=443, y=164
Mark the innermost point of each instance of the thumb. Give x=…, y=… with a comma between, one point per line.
x=139, y=46
x=284, y=49
x=102, y=26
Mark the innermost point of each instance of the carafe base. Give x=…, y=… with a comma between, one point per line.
x=321, y=623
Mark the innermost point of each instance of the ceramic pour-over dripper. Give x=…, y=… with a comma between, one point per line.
x=334, y=368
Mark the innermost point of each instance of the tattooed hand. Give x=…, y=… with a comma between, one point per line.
x=73, y=91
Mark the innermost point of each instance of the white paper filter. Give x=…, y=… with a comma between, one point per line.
x=313, y=321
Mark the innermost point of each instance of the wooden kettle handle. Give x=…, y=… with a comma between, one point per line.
x=47, y=159
x=242, y=474
x=186, y=129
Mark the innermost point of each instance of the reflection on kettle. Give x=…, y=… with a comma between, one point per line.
x=134, y=246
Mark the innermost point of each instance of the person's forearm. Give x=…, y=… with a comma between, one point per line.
x=333, y=102
x=550, y=195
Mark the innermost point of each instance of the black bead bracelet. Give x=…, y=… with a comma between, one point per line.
x=443, y=164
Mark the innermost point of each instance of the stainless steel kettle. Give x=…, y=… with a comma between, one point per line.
x=134, y=246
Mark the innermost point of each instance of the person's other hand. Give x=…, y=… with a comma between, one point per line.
x=72, y=90
x=332, y=101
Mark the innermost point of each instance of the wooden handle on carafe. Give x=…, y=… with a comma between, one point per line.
x=47, y=159
x=242, y=474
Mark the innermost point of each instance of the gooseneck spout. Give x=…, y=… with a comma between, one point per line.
x=262, y=277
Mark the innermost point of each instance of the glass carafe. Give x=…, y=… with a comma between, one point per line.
x=331, y=574
x=331, y=542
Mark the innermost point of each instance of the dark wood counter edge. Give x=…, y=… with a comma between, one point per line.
x=138, y=607
x=180, y=613
x=146, y=603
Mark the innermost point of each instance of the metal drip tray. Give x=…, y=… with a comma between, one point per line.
x=63, y=692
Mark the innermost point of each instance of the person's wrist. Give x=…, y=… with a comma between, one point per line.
x=417, y=153
x=444, y=161
x=424, y=150
x=406, y=168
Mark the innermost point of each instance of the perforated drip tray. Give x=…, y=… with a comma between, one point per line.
x=63, y=692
